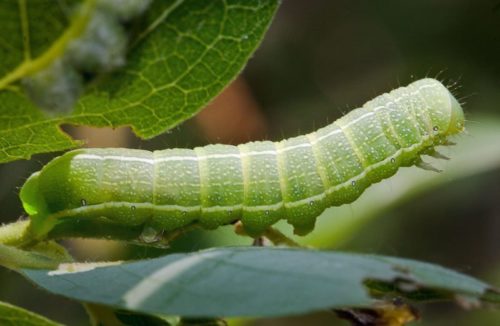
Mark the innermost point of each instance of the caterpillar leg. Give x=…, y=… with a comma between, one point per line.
x=162, y=239
x=258, y=242
x=279, y=239
x=239, y=229
x=276, y=237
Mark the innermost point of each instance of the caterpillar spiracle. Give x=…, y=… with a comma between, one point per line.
x=257, y=183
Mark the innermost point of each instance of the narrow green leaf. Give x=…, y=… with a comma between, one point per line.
x=15, y=316
x=183, y=54
x=250, y=281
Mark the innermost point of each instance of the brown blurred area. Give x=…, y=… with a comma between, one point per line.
x=233, y=117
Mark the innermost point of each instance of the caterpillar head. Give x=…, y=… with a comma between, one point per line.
x=445, y=111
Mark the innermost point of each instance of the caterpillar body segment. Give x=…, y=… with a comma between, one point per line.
x=258, y=183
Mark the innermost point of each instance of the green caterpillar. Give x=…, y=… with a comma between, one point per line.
x=257, y=183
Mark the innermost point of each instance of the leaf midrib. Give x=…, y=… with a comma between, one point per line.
x=30, y=66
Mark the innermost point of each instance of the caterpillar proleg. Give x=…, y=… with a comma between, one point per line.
x=257, y=183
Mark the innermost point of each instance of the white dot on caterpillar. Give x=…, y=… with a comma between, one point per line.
x=435, y=128
x=393, y=160
x=83, y=202
x=353, y=183
x=266, y=212
x=133, y=207
x=311, y=203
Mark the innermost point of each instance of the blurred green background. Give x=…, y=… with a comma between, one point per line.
x=319, y=60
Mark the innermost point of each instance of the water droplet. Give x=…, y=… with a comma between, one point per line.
x=83, y=202
x=435, y=128
x=150, y=234
x=353, y=183
x=393, y=160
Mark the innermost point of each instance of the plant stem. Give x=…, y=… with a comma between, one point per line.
x=30, y=66
x=15, y=234
x=278, y=238
x=15, y=258
x=47, y=254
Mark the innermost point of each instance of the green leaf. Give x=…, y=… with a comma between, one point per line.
x=27, y=132
x=183, y=54
x=15, y=316
x=28, y=29
x=252, y=281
